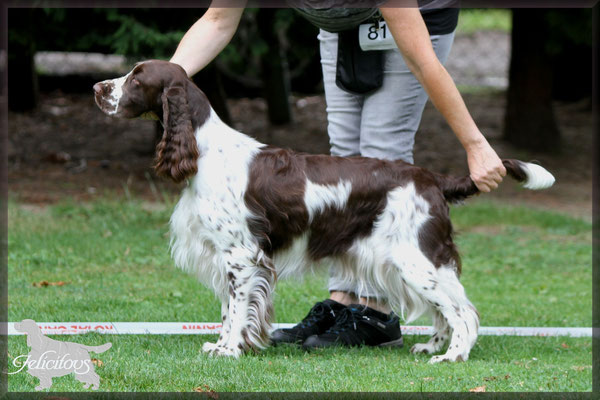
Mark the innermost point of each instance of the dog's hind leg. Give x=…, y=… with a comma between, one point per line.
x=461, y=314
x=441, y=288
x=90, y=378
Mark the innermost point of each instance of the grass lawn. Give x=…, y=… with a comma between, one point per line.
x=522, y=267
x=474, y=19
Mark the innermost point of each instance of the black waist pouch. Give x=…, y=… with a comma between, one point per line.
x=357, y=71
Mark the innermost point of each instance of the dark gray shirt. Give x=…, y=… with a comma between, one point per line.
x=336, y=16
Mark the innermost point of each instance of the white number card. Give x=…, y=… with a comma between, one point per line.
x=371, y=38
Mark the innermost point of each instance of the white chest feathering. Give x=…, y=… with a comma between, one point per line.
x=211, y=215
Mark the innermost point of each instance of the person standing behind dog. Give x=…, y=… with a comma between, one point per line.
x=375, y=100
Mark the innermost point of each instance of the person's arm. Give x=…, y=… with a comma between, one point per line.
x=413, y=40
x=208, y=37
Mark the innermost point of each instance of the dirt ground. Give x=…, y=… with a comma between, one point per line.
x=68, y=148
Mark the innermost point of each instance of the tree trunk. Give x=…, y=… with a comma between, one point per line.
x=275, y=72
x=572, y=72
x=572, y=53
x=209, y=81
x=529, y=120
x=22, y=82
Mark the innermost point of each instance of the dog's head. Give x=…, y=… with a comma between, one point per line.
x=26, y=326
x=30, y=328
x=160, y=90
x=141, y=91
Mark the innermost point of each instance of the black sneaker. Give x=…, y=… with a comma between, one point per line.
x=360, y=325
x=320, y=318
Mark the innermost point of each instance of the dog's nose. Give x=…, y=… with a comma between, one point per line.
x=98, y=88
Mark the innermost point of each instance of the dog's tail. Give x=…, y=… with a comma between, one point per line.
x=97, y=349
x=532, y=176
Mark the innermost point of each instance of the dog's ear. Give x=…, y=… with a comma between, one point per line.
x=34, y=337
x=177, y=152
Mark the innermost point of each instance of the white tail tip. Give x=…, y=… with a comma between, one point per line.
x=537, y=177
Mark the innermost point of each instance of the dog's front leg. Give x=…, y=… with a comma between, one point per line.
x=250, y=309
x=43, y=376
x=209, y=347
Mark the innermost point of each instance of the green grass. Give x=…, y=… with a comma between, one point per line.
x=521, y=267
x=471, y=20
x=174, y=363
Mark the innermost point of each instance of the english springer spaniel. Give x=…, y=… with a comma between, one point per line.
x=253, y=213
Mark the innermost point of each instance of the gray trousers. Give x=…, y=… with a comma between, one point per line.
x=381, y=124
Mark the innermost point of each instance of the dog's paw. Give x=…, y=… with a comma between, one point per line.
x=453, y=357
x=209, y=347
x=424, y=348
x=216, y=349
x=224, y=351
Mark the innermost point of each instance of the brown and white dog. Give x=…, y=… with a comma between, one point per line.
x=252, y=213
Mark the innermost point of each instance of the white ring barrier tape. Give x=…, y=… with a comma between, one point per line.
x=206, y=328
